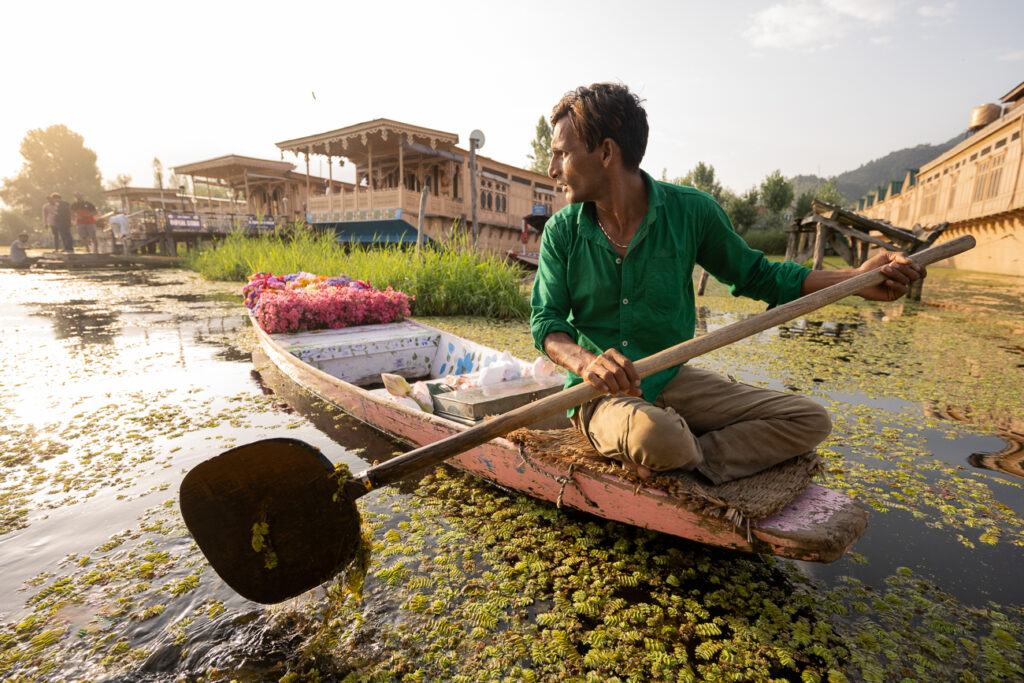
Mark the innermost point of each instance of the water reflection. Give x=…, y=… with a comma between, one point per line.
x=88, y=321
x=357, y=438
x=1010, y=460
x=822, y=332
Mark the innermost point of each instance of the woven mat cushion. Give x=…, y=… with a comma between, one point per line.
x=740, y=501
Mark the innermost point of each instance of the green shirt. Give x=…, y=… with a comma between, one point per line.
x=644, y=302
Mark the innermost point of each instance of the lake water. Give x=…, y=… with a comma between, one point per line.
x=114, y=384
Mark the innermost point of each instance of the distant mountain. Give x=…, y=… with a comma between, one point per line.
x=893, y=166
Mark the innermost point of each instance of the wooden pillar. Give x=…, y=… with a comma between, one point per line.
x=330, y=185
x=819, y=246
x=914, y=291
x=307, y=181
x=864, y=248
x=248, y=198
x=791, y=243
x=401, y=172
x=703, y=282
x=369, y=178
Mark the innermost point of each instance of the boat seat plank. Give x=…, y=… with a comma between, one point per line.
x=360, y=354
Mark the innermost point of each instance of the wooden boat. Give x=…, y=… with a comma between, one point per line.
x=342, y=366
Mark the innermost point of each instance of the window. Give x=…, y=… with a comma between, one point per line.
x=986, y=183
x=930, y=199
x=952, y=190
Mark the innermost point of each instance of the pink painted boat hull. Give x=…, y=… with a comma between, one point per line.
x=818, y=525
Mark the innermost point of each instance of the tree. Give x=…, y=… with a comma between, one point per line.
x=742, y=210
x=541, y=157
x=803, y=204
x=118, y=182
x=12, y=224
x=776, y=192
x=830, y=193
x=56, y=160
x=702, y=177
x=158, y=174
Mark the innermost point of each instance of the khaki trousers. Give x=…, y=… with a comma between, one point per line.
x=704, y=421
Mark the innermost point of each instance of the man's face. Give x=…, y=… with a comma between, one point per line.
x=579, y=173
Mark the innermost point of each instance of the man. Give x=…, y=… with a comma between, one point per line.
x=49, y=213
x=120, y=230
x=614, y=284
x=85, y=219
x=17, y=254
x=62, y=222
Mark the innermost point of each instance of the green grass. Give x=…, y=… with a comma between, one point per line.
x=450, y=279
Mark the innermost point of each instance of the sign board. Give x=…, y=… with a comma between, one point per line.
x=261, y=224
x=177, y=221
x=539, y=210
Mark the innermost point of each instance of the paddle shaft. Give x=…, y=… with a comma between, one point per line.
x=439, y=451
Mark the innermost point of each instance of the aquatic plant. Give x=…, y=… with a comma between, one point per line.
x=444, y=279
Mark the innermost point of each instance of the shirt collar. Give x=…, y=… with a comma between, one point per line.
x=587, y=218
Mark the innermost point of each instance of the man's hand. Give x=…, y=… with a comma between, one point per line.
x=612, y=373
x=899, y=271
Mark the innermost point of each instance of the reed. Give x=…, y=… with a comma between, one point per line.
x=445, y=279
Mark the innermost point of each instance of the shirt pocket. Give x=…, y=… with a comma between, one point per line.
x=664, y=283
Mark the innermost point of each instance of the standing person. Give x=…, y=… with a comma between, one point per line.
x=120, y=230
x=615, y=284
x=62, y=222
x=85, y=219
x=49, y=212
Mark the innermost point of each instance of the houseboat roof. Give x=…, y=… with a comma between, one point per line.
x=234, y=165
x=1014, y=95
x=354, y=142
x=972, y=140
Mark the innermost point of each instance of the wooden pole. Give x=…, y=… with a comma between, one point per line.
x=369, y=178
x=472, y=187
x=401, y=172
x=419, y=221
x=330, y=184
x=819, y=247
x=307, y=181
x=703, y=282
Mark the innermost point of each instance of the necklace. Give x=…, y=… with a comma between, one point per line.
x=619, y=245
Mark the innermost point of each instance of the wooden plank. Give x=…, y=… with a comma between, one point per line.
x=819, y=246
x=853, y=232
x=852, y=218
x=841, y=247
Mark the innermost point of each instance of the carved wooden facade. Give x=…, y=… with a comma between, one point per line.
x=395, y=161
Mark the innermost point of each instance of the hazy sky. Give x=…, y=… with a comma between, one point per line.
x=806, y=86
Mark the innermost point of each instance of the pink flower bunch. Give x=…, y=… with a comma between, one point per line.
x=301, y=301
x=262, y=282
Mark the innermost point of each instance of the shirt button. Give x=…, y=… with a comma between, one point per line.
x=625, y=343
x=625, y=301
x=618, y=260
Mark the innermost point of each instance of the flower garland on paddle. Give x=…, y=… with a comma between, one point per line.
x=302, y=301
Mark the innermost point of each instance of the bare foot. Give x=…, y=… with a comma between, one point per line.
x=639, y=470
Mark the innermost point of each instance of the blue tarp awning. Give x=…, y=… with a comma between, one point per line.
x=388, y=231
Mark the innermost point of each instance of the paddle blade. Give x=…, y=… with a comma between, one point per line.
x=270, y=518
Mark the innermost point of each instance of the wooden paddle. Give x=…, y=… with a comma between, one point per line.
x=275, y=519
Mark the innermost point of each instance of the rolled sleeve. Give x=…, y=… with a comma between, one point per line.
x=746, y=271
x=549, y=301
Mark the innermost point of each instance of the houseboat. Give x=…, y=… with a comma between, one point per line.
x=977, y=187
